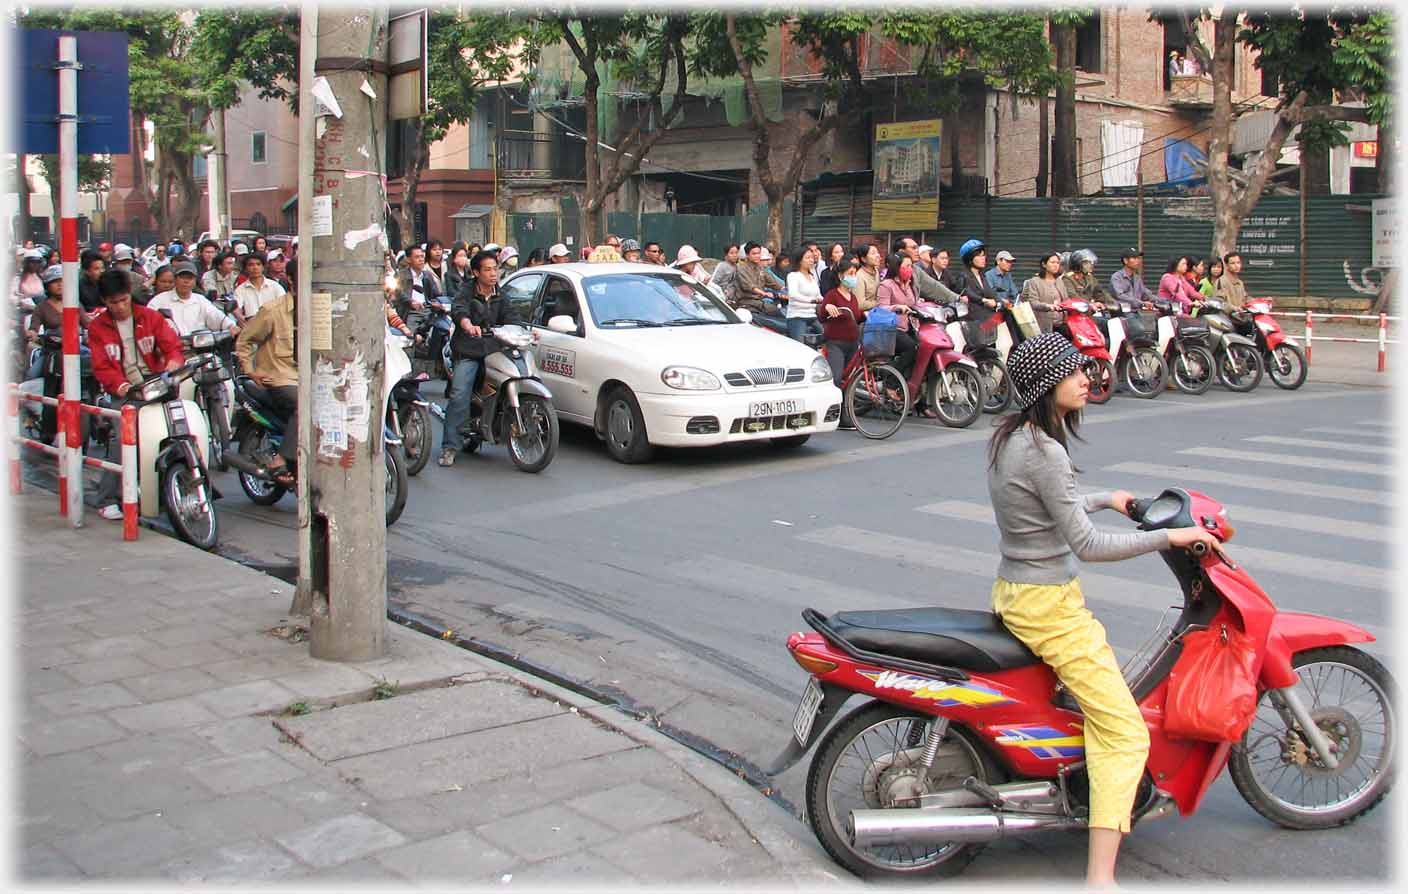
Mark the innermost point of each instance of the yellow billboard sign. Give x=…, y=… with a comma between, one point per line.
x=905, y=195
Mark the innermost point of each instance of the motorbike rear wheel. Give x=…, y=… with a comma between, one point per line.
x=863, y=763
x=1247, y=374
x=1286, y=366
x=1102, y=383
x=996, y=386
x=397, y=483
x=1144, y=373
x=1360, y=725
x=255, y=447
x=533, y=450
x=1193, y=369
x=416, y=435
x=189, y=505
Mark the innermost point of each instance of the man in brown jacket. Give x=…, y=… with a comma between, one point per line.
x=1230, y=287
x=749, y=280
x=275, y=367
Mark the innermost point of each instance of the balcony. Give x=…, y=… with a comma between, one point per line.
x=1190, y=91
x=529, y=155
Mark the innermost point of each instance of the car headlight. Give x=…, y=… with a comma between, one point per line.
x=688, y=378
x=821, y=370
x=155, y=389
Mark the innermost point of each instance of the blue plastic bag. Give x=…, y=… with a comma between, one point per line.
x=878, y=337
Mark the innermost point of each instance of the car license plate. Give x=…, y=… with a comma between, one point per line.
x=761, y=408
x=806, y=712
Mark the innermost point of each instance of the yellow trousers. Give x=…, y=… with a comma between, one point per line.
x=1055, y=624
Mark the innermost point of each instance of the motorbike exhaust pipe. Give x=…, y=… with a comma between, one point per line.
x=244, y=465
x=931, y=826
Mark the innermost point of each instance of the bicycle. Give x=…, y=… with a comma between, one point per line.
x=874, y=393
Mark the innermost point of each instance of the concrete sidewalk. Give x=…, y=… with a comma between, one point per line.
x=173, y=727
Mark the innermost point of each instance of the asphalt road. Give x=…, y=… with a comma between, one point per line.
x=675, y=584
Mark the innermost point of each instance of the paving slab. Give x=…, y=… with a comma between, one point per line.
x=546, y=832
x=46, y=737
x=244, y=699
x=340, y=839
x=459, y=858
x=251, y=860
x=169, y=714
x=88, y=699
x=242, y=772
x=413, y=718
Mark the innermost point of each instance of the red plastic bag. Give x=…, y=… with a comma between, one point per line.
x=1212, y=690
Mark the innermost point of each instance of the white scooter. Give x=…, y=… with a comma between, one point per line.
x=171, y=464
x=212, y=389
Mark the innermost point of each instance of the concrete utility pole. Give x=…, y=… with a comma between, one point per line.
x=217, y=183
x=345, y=323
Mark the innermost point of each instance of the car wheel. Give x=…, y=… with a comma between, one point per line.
x=624, y=427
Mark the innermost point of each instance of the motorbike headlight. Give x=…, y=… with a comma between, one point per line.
x=1266, y=326
x=204, y=339
x=1088, y=342
x=1080, y=307
x=821, y=370
x=688, y=378
x=155, y=389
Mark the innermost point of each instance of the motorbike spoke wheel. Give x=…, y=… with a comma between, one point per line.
x=255, y=446
x=1351, y=698
x=1145, y=374
x=397, y=483
x=533, y=449
x=1287, y=367
x=1239, y=367
x=871, y=761
x=877, y=400
x=957, y=395
x=416, y=435
x=1192, y=369
x=995, y=385
x=1102, y=380
x=189, y=506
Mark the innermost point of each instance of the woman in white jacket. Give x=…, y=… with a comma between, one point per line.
x=804, y=293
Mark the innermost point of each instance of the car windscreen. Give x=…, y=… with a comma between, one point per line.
x=625, y=300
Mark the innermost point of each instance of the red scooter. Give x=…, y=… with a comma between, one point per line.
x=967, y=737
x=1284, y=359
x=1084, y=333
x=950, y=380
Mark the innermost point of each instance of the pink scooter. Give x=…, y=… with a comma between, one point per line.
x=951, y=382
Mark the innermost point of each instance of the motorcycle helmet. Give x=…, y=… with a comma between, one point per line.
x=33, y=254
x=968, y=249
x=1080, y=256
x=123, y=252
x=51, y=273
x=104, y=246
x=174, y=249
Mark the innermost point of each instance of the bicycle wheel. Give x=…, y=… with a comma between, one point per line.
x=877, y=399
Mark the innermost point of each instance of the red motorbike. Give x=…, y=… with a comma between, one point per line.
x=1080, y=327
x=1284, y=359
x=967, y=737
x=950, y=380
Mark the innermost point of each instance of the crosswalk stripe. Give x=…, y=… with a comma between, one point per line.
x=1290, y=459
x=1277, y=518
x=1099, y=589
x=1375, y=423
x=1171, y=474
x=1331, y=430
x=761, y=584
x=1265, y=560
x=1326, y=445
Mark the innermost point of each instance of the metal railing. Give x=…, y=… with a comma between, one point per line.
x=531, y=155
x=1383, y=341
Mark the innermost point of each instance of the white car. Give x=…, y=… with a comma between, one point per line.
x=648, y=357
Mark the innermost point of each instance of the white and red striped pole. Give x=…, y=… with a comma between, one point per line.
x=1309, y=336
x=72, y=459
x=129, y=472
x=1383, y=339
x=13, y=410
x=61, y=413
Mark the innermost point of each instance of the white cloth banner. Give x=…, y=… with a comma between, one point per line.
x=1120, y=144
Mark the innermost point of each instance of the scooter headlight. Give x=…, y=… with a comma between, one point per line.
x=156, y=389
x=203, y=339
x=1080, y=307
x=688, y=378
x=1267, y=326
x=821, y=370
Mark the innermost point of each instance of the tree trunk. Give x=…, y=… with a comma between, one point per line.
x=1317, y=170
x=593, y=199
x=410, y=186
x=1043, y=170
x=1386, y=159
x=23, y=225
x=776, y=204
x=1064, y=180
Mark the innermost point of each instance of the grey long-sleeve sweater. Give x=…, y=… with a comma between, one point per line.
x=1043, y=519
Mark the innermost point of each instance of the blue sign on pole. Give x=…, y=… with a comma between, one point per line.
x=103, y=100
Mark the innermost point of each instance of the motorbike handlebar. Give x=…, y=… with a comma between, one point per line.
x=1199, y=549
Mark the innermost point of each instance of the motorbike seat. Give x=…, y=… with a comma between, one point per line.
x=969, y=640
x=257, y=393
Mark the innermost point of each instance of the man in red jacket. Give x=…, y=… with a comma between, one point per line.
x=129, y=343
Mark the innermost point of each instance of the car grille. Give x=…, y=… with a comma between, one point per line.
x=765, y=375
x=772, y=423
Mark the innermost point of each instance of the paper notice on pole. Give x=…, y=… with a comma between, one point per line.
x=321, y=337
x=322, y=215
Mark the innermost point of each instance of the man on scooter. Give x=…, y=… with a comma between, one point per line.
x=129, y=343
x=925, y=283
x=275, y=366
x=477, y=309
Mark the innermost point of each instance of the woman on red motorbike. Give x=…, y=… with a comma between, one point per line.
x=1045, y=533
x=1175, y=287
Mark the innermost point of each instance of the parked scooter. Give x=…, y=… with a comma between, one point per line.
x=1080, y=327
x=517, y=410
x=212, y=388
x=1238, y=360
x=433, y=325
x=1139, y=366
x=407, y=413
x=1282, y=356
x=41, y=420
x=1183, y=343
x=967, y=737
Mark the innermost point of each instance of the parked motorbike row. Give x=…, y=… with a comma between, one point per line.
x=961, y=370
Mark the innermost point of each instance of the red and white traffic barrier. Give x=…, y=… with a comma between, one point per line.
x=69, y=415
x=70, y=463
x=1383, y=341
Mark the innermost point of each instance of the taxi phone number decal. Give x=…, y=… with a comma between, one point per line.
x=558, y=362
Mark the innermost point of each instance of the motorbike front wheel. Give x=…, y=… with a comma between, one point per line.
x=219, y=432
x=186, y=494
x=255, y=446
x=1192, y=369
x=871, y=761
x=1351, y=698
x=957, y=395
x=1286, y=366
x=1239, y=367
x=398, y=483
x=1144, y=373
x=416, y=435
x=533, y=449
x=1102, y=381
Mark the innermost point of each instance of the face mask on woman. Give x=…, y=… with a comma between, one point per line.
x=905, y=274
x=849, y=281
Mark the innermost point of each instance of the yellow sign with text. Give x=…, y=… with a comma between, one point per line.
x=905, y=192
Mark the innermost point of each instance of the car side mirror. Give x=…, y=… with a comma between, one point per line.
x=744, y=314
x=563, y=323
